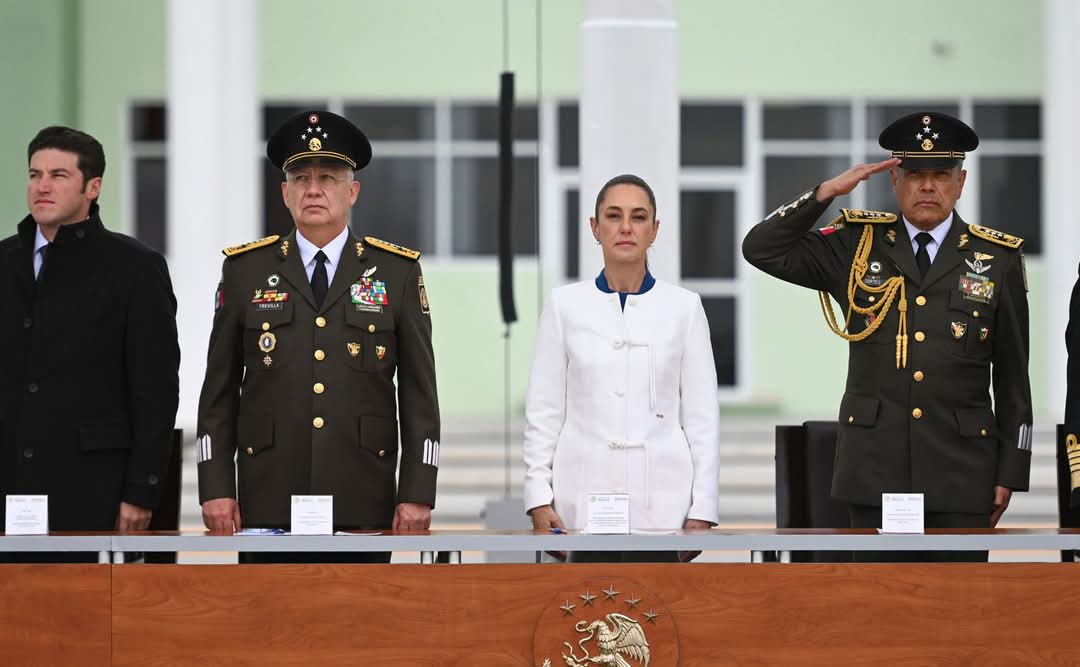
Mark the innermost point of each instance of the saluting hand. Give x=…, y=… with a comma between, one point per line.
x=411, y=516
x=846, y=182
x=221, y=516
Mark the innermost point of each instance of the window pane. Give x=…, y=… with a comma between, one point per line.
x=1007, y=121
x=879, y=193
x=720, y=311
x=276, y=114
x=475, y=207
x=276, y=218
x=481, y=121
x=809, y=121
x=148, y=122
x=711, y=135
x=150, y=205
x=393, y=122
x=707, y=229
x=568, y=135
x=397, y=202
x=1009, y=198
x=788, y=177
x=880, y=115
x=573, y=228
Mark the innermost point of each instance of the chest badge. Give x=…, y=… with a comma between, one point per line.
x=273, y=279
x=976, y=287
x=380, y=352
x=977, y=266
x=984, y=334
x=267, y=342
x=368, y=292
x=958, y=330
x=354, y=349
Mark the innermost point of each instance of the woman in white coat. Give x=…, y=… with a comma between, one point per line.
x=622, y=393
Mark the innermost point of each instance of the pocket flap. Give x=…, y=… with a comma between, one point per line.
x=976, y=423
x=104, y=436
x=255, y=318
x=369, y=322
x=254, y=433
x=859, y=410
x=379, y=434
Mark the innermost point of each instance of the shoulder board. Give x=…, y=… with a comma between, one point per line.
x=994, y=236
x=858, y=216
x=234, y=250
x=392, y=247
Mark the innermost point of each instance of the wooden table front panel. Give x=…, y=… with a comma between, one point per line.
x=481, y=615
x=54, y=615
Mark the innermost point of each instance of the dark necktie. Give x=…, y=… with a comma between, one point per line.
x=922, y=258
x=44, y=250
x=319, y=283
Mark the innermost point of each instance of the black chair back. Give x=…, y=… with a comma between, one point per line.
x=804, y=469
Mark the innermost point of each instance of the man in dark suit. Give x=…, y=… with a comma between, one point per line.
x=88, y=380
x=1072, y=395
x=936, y=313
x=309, y=333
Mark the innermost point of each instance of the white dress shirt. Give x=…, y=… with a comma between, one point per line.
x=39, y=242
x=938, y=233
x=332, y=250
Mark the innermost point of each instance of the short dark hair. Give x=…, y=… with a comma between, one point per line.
x=91, y=156
x=625, y=179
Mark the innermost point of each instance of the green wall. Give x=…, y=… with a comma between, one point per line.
x=83, y=61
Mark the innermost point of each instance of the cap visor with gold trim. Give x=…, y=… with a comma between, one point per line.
x=318, y=137
x=928, y=140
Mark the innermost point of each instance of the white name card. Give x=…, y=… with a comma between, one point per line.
x=607, y=513
x=27, y=515
x=312, y=515
x=902, y=513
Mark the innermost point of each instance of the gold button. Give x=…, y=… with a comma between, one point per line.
x=975, y=314
x=318, y=388
x=371, y=328
x=920, y=336
x=917, y=413
x=266, y=326
x=320, y=321
x=382, y=452
x=983, y=432
x=851, y=420
x=317, y=422
x=251, y=451
x=918, y=375
x=920, y=300
x=319, y=355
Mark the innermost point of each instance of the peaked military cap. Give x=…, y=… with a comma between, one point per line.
x=318, y=137
x=928, y=140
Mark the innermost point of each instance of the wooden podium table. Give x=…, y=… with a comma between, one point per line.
x=700, y=614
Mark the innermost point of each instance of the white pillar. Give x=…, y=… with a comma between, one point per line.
x=629, y=119
x=1060, y=176
x=213, y=167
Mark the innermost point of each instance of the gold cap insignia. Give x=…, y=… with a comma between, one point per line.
x=314, y=144
x=927, y=145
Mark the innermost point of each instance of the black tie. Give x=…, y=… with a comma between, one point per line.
x=319, y=283
x=922, y=258
x=44, y=250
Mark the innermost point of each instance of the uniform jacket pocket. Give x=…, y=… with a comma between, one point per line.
x=856, y=410
x=369, y=339
x=379, y=435
x=976, y=423
x=254, y=434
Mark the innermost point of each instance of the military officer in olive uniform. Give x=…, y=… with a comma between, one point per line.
x=936, y=312
x=309, y=333
x=1072, y=396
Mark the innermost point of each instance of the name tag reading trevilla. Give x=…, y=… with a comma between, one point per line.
x=607, y=513
x=312, y=515
x=27, y=515
x=902, y=513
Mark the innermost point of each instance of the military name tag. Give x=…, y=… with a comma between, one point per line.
x=977, y=288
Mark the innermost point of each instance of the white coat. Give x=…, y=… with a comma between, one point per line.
x=623, y=401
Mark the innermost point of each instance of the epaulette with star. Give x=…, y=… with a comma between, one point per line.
x=854, y=215
x=234, y=250
x=994, y=236
x=392, y=247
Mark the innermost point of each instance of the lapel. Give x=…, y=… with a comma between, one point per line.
x=292, y=270
x=351, y=266
x=948, y=255
x=900, y=252
x=21, y=258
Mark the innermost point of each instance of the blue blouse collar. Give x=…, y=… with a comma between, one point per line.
x=646, y=284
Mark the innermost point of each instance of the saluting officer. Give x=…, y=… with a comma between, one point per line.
x=309, y=333
x=936, y=312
